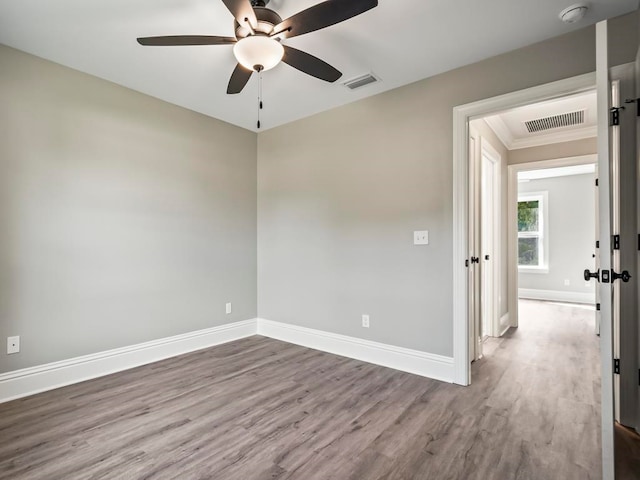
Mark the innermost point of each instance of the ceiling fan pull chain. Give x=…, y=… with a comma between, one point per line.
x=259, y=96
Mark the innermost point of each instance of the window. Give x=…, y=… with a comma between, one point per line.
x=531, y=232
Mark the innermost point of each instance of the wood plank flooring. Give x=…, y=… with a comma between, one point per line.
x=260, y=409
x=627, y=453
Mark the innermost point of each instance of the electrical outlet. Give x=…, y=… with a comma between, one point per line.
x=566, y=282
x=421, y=237
x=228, y=308
x=365, y=321
x=13, y=345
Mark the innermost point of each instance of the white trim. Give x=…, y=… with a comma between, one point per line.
x=500, y=128
x=461, y=116
x=543, y=232
x=28, y=381
x=557, y=296
x=32, y=380
x=607, y=402
x=534, y=270
x=412, y=361
x=556, y=172
x=505, y=324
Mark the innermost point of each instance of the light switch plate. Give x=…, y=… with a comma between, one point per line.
x=421, y=237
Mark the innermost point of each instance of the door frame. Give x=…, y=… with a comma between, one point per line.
x=512, y=209
x=462, y=114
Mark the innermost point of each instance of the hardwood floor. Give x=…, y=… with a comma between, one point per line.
x=627, y=453
x=262, y=409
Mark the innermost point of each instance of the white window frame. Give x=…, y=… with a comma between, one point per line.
x=543, y=232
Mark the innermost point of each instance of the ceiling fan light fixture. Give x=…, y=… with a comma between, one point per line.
x=258, y=52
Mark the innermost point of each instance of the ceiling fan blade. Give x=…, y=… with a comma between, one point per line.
x=310, y=65
x=322, y=15
x=241, y=10
x=239, y=79
x=174, y=40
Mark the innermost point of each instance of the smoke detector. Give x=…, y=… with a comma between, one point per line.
x=574, y=13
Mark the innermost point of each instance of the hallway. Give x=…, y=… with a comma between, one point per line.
x=544, y=379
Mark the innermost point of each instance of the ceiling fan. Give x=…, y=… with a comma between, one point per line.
x=258, y=34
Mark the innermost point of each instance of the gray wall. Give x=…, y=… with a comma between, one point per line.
x=485, y=132
x=575, y=148
x=124, y=219
x=571, y=233
x=341, y=192
x=127, y=219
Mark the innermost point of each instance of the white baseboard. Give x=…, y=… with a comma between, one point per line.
x=412, y=361
x=504, y=324
x=557, y=296
x=29, y=381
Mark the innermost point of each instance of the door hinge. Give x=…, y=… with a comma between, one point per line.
x=615, y=116
x=466, y=262
x=596, y=182
x=615, y=239
x=597, y=306
x=616, y=366
x=597, y=243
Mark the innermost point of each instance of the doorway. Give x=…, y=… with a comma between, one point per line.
x=523, y=147
x=463, y=251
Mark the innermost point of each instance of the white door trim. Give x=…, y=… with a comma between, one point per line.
x=461, y=116
x=606, y=327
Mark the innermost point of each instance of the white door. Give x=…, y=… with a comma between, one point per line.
x=605, y=232
x=625, y=252
x=488, y=250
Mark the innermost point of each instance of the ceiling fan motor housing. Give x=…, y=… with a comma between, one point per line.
x=267, y=18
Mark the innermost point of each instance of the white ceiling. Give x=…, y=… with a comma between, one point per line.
x=400, y=41
x=510, y=126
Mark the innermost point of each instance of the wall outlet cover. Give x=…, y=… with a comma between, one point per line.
x=227, y=308
x=13, y=345
x=421, y=237
x=365, y=321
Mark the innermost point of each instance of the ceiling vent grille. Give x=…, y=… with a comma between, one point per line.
x=556, y=121
x=361, y=81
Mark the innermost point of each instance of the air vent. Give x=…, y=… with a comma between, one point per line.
x=360, y=81
x=555, y=121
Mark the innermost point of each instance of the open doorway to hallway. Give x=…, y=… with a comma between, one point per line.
x=533, y=227
x=616, y=197
x=521, y=162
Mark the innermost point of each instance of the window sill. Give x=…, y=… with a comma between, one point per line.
x=542, y=270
